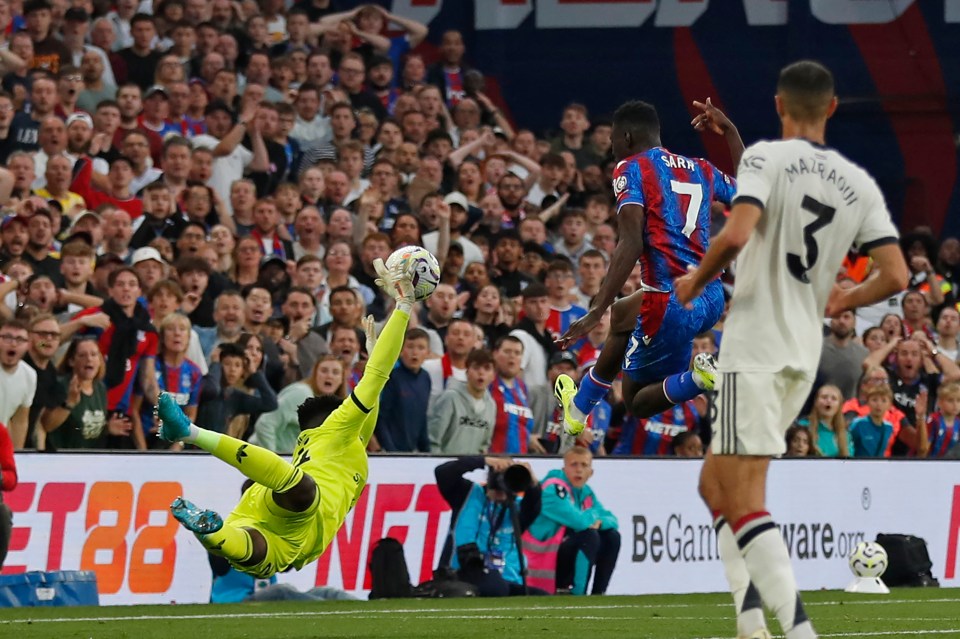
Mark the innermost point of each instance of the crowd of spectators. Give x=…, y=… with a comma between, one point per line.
x=200, y=189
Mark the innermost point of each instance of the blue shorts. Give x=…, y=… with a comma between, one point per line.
x=662, y=341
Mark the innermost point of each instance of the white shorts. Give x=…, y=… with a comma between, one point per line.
x=755, y=409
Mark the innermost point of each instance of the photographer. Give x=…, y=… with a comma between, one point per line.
x=486, y=552
x=574, y=533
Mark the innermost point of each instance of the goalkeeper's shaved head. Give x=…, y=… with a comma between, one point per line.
x=315, y=410
x=806, y=90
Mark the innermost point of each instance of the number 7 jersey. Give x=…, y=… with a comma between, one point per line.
x=676, y=193
x=816, y=205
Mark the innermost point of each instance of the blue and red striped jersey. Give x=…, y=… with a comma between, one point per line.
x=654, y=436
x=183, y=382
x=560, y=319
x=676, y=193
x=943, y=436
x=514, y=421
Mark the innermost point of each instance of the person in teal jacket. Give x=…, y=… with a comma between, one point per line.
x=574, y=534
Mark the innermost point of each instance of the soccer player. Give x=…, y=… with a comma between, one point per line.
x=798, y=209
x=293, y=512
x=663, y=204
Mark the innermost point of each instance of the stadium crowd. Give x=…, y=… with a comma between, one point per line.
x=199, y=192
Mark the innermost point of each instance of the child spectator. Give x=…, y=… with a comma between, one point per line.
x=688, y=444
x=460, y=422
x=175, y=374
x=828, y=430
x=798, y=442
x=941, y=432
x=559, y=281
x=872, y=435
x=402, y=424
x=226, y=400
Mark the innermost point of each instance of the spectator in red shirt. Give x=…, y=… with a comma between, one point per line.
x=8, y=481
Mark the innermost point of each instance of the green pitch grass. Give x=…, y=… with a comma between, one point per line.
x=904, y=613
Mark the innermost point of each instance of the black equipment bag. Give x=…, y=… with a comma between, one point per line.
x=908, y=561
x=388, y=570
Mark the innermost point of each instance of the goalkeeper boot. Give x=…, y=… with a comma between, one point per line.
x=565, y=389
x=705, y=371
x=174, y=424
x=194, y=519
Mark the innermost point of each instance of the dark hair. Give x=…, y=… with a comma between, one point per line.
x=191, y=264
x=507, y=338
x=112, y=278
x=681, y=438
x=479, y=357
x=640, y=120
x=315, y=410
x=806, y=88
x=302, y=291
x=233, y=350
x=142, y=17
x=416, y=333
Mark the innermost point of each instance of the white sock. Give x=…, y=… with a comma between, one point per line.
x=746, y=599
x=194, y=432
x=770, y=571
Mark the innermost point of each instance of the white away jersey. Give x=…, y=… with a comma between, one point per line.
x=816, y=205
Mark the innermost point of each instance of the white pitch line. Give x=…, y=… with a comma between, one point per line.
x=439, y=611
x=877, y=633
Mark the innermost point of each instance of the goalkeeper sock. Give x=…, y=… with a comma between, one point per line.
x=230, y=542
x=259, y=464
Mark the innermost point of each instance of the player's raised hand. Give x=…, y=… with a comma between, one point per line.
x=711, y=118
x=581, y=327
x=686, y=288
x=370, y=330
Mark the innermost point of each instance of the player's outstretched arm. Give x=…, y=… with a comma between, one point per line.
x=717, y=121
x=386, y=351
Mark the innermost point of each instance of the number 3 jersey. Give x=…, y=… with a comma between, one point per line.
x=816, y=205
x=676, y=193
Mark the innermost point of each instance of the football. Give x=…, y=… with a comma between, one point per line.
x=423, y=267
x=868, y=559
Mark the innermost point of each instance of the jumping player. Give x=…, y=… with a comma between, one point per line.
x=663, y=214
x=799, y=208
x=293, y=511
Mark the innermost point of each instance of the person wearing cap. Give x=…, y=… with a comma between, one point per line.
x=156, y=110
x=380, y=81
x=507, y=274
x=13, y=232
x=452, y=220
x=149, y=266
x=141, y=58
x=76, y=26
x=79, y=138
x=48, y=52
x=58, y=176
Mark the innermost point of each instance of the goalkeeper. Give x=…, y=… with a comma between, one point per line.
x=293, y=511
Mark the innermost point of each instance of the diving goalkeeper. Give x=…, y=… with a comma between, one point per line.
x=294, y=510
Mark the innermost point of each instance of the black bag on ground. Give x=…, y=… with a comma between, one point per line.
x=445, y=585
x=388, y=571
x=908, y=561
